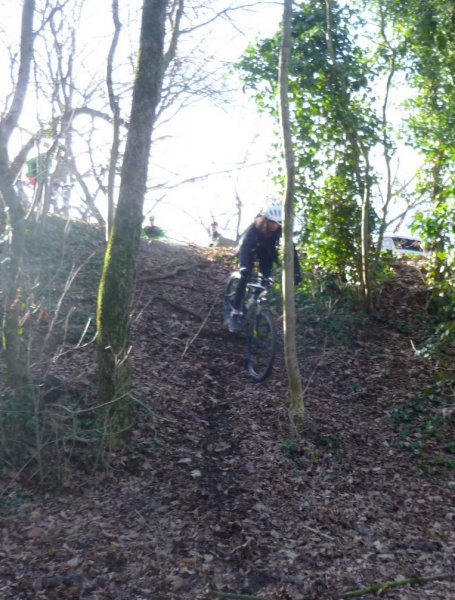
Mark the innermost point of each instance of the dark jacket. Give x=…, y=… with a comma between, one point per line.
x=152, y=231
x=255, y=245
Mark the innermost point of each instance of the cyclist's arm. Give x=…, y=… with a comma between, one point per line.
x=247, y=247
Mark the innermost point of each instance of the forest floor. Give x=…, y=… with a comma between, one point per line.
x=214, y=497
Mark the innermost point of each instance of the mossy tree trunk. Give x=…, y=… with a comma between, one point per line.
x=296, y=405
x=117, y=280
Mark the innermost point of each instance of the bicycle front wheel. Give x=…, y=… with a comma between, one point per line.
x=229, y=295
x=261, y=343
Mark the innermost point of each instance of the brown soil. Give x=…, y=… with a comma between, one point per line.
x=214, y=494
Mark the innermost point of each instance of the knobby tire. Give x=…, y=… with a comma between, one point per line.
x=229, y=296
x=261, y=343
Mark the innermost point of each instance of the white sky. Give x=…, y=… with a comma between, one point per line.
x=210, y=140
x=206, y=139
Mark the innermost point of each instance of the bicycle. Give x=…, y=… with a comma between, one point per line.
x=258, y=323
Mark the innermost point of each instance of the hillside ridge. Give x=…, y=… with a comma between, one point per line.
x=214, y=492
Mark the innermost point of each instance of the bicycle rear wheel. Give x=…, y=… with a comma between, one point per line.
x=261, y=343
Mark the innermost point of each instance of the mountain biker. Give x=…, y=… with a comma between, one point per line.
x=215, y=234
x=152, y=231
x=259, y=243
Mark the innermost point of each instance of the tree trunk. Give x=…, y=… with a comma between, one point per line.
x=296, y=405
x=115, y=108
x=117, y=280
x=13, y=341
x=436, y=271
x=365, y=245
x=363, y=181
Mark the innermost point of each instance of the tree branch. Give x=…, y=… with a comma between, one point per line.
x=387, y=585
x=234, y=596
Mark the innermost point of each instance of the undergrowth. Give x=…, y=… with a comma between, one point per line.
x=337, y=316
x=58, y=288
x=424, y=424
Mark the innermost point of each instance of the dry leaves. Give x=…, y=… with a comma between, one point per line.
x=215, y=494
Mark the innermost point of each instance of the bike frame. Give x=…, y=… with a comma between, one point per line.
x=258, y=325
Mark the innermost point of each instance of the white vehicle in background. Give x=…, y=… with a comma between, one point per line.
x=403, y=244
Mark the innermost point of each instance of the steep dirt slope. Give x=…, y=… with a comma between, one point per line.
x=215, y=494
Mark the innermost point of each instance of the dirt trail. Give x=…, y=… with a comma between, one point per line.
x=215, y=494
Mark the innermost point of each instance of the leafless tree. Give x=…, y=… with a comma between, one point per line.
x=17, y=369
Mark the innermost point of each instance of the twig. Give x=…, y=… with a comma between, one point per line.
x=233, y=596
x=196, y=335
x=326, y=535
x=386, y=585
x=176, y=271
x=180, y=308
x=16, y=476
x=68, y=283
x=93, y=408
x=244, y=545
x=313, y=373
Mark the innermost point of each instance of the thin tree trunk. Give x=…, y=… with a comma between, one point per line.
x=385, y=136
x=363, y=182
x=13, y=342
x=296, y=405
x=115, y=108
x=365, y=244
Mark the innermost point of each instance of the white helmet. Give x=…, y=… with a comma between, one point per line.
x=273, y=211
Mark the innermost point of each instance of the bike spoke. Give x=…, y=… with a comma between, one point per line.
x=261, y=345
